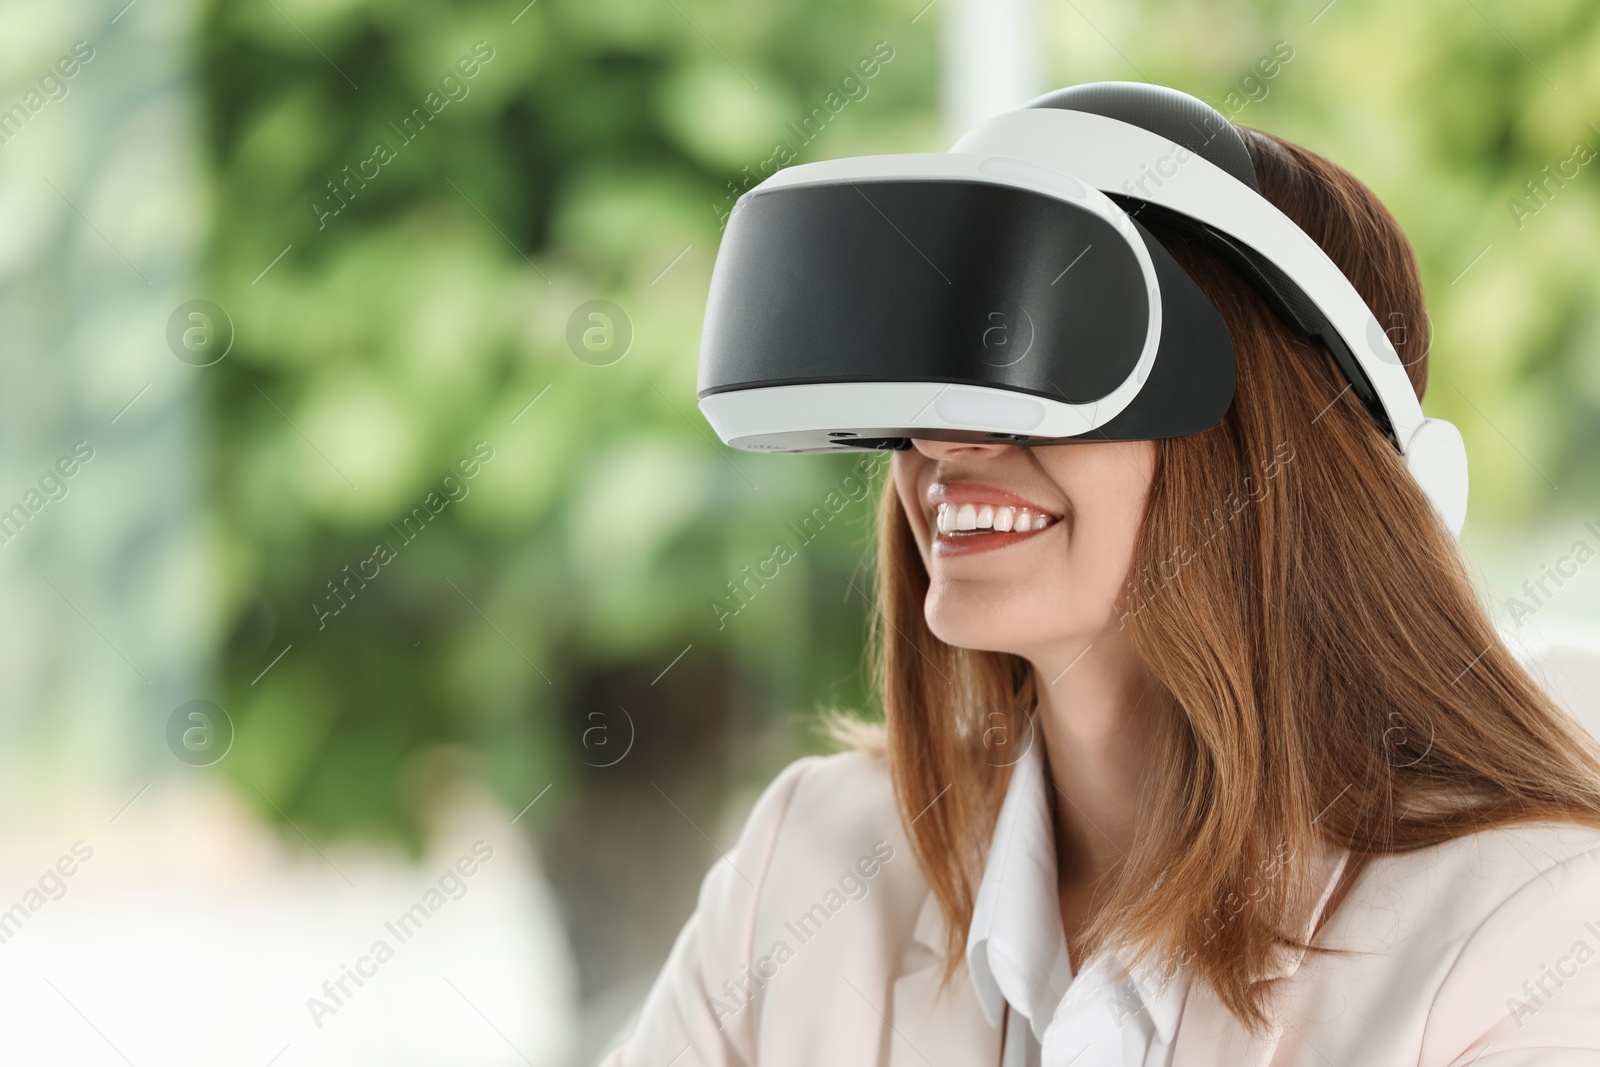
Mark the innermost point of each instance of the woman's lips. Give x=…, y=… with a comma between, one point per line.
x=969, y=517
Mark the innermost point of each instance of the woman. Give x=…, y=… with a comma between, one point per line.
x=1195, y=751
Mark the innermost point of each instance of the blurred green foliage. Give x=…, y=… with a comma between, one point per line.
x=421, y=307
x=585, y=158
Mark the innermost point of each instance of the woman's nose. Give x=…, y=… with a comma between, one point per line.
x=953, y=449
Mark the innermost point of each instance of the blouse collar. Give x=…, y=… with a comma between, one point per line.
x=1016, y=945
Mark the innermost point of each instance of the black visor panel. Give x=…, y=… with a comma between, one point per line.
x=923, y=280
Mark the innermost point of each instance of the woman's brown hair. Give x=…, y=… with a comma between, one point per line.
x=1332, y=677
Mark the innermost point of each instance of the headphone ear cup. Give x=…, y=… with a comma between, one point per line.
x=1437, y=459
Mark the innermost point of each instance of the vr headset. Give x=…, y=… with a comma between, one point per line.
x=1007, y=291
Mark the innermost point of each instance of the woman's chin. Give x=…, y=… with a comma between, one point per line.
x=977, y=629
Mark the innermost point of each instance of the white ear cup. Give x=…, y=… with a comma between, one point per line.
x=1437, y=458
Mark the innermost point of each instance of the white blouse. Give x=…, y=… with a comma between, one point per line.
x=1017, y=955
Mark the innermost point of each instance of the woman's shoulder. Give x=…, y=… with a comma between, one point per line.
x=1445, y=893
x=828, y=793
x=832, y=840
x=819, y=885
x=1474, y=873
x=1487, y=933
x=821, y=808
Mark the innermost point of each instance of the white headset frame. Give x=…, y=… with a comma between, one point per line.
x=1118, y=157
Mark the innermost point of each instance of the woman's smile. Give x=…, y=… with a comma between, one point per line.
x=971, y=517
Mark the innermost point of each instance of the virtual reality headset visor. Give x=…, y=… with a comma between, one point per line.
x=860, y=302
x=1009, y=290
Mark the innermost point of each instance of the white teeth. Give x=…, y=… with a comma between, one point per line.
x=953, y=517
